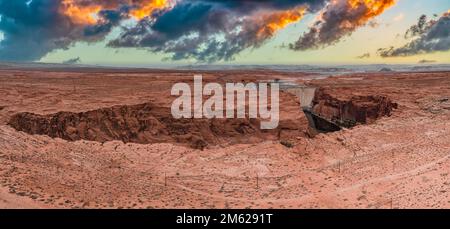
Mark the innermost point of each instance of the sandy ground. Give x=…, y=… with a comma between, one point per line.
x=401, y=161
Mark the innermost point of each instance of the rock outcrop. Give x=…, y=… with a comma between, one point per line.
x=142, y=123
x=353, y=111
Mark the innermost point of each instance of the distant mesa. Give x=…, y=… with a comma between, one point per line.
x=386, y=70
x=422, y=68
x=72, y=61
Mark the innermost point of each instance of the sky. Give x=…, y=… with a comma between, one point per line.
x=178, y=32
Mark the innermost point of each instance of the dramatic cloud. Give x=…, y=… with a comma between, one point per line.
x=428, y=36
x=214, y=30
x=205, y=30
x=84, y=11
x=29, y=29
x=33, y=28
x=420, y=28
x=340, y=18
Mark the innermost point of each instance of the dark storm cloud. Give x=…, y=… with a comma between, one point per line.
x=431, y=36
x=340, y=19
x=210, y=30
x=31, y=29
x=204, y=30
x=108, y=19
x=420, y=28
x=245, y=6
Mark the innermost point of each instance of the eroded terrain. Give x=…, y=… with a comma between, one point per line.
x=399, y=160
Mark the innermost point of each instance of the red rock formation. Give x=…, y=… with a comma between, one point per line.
x=142, y=123
x=357, y=109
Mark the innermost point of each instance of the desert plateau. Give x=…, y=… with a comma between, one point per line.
x=105, y=138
